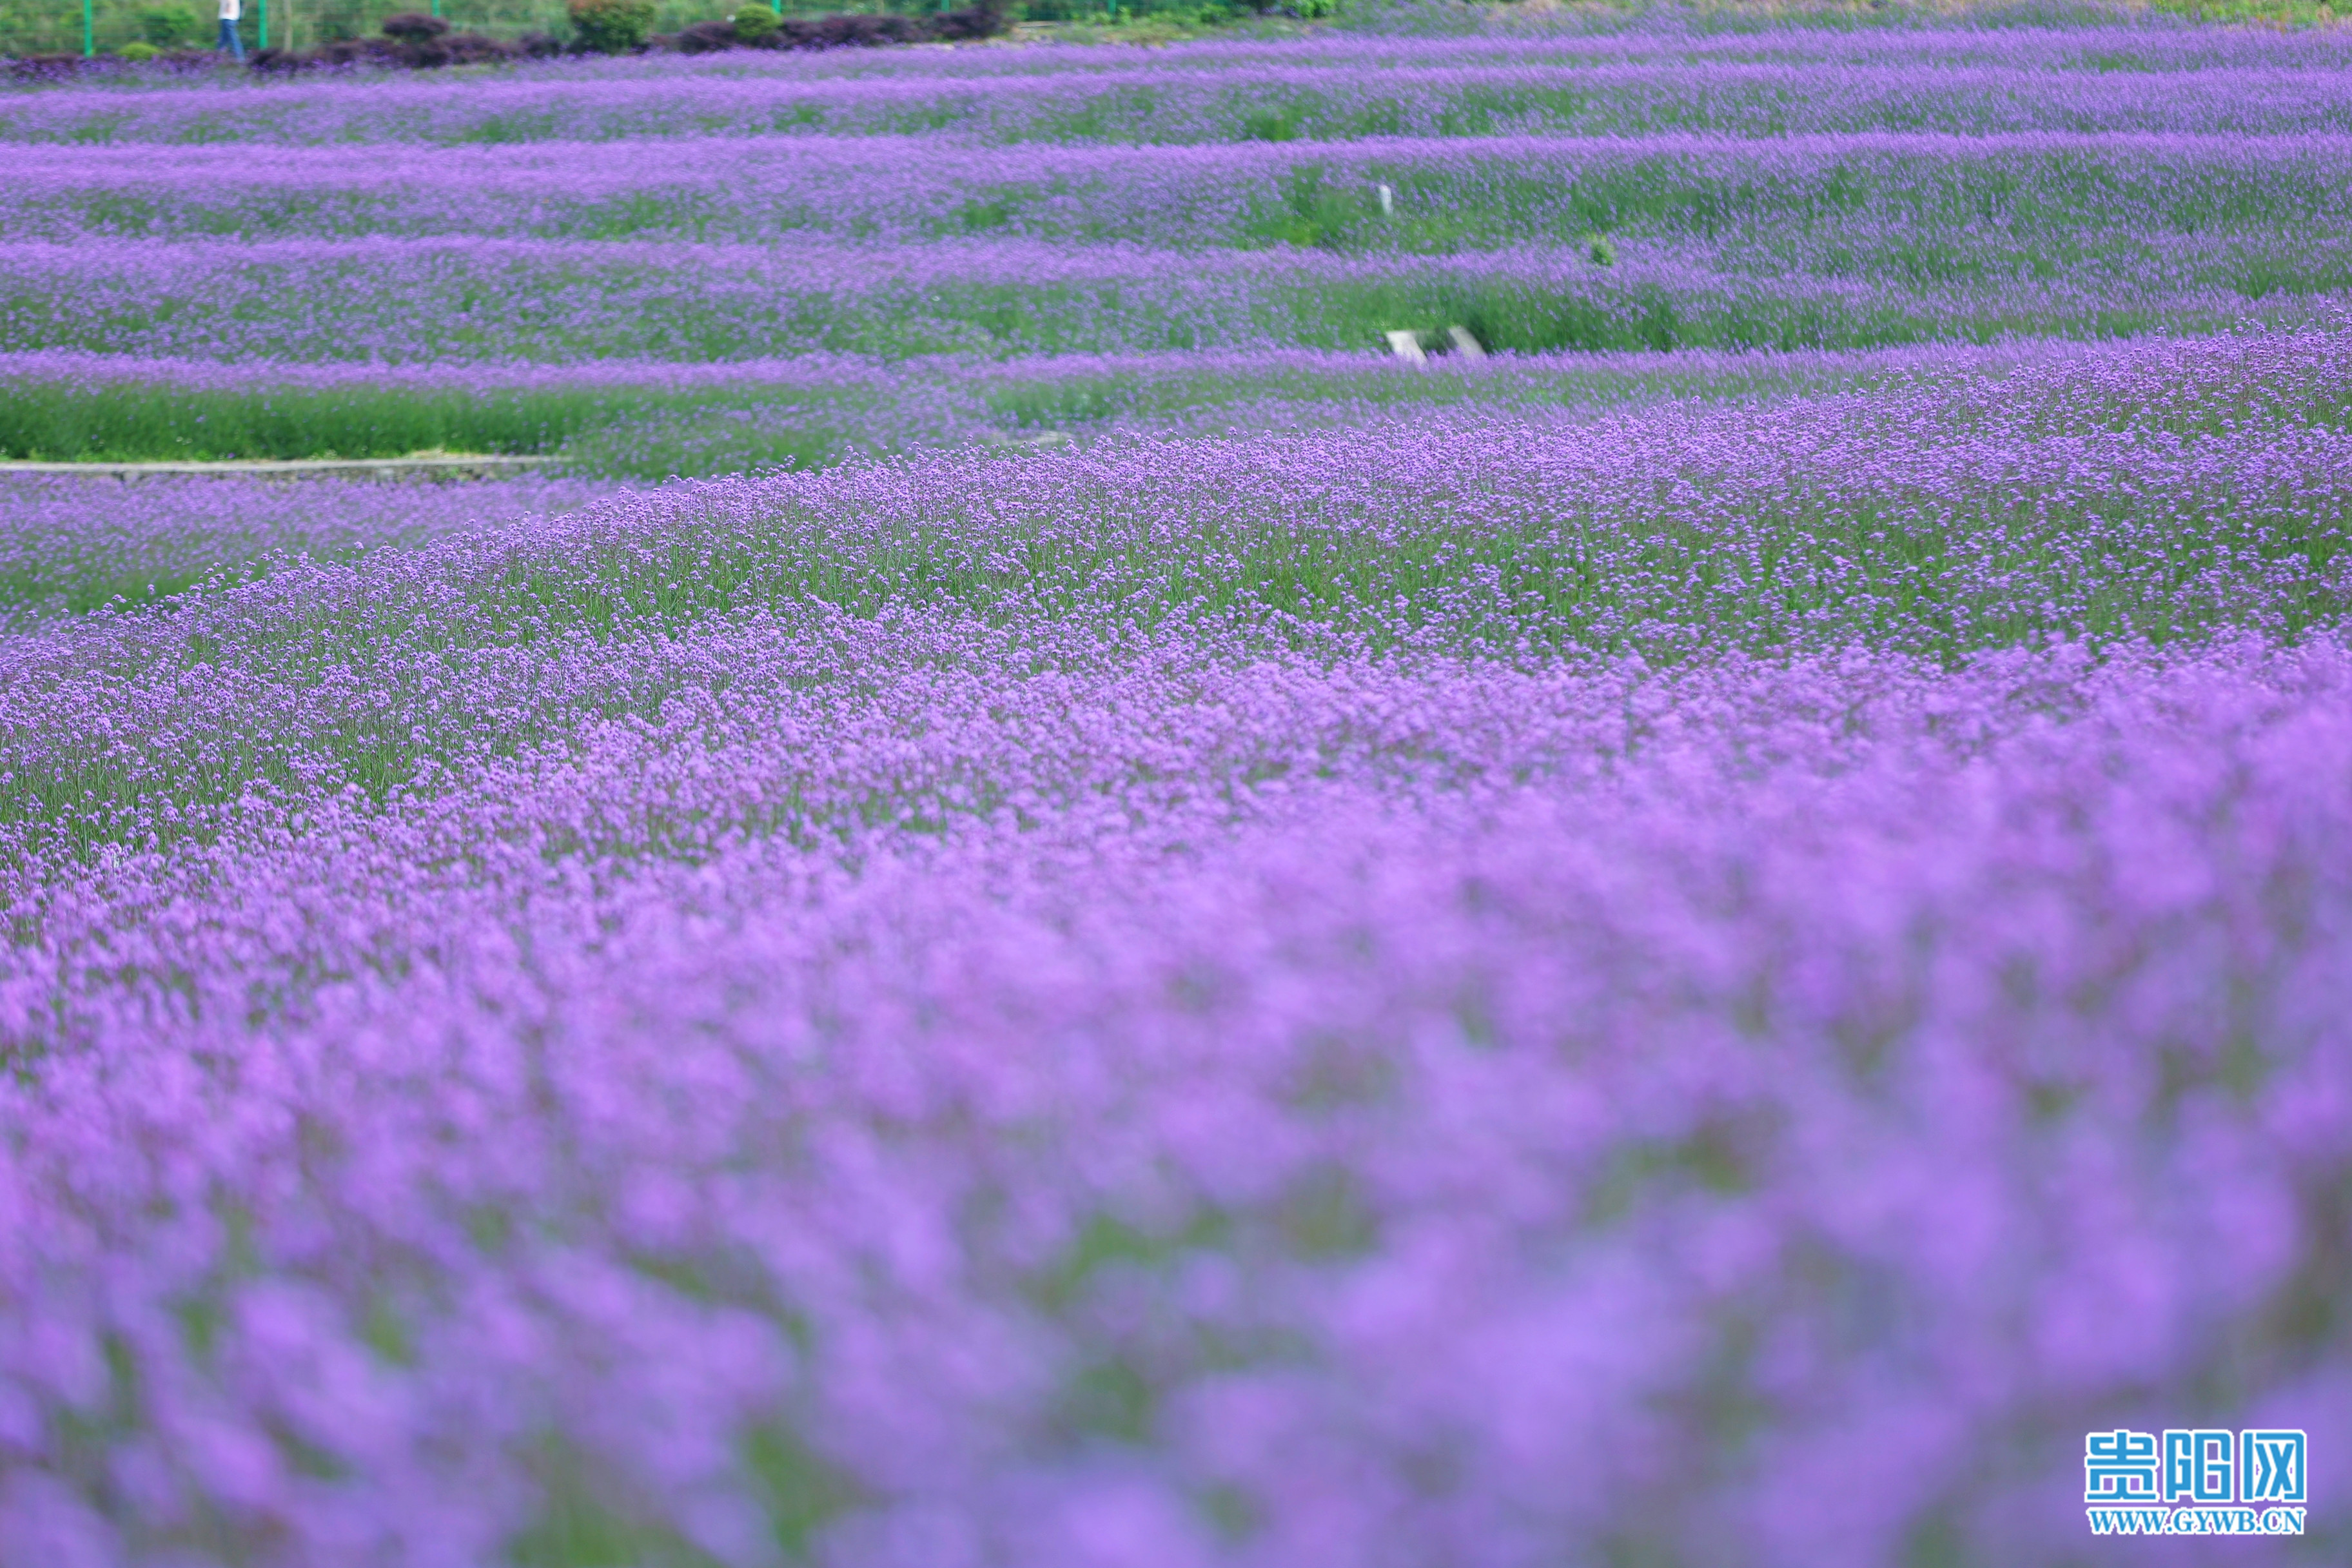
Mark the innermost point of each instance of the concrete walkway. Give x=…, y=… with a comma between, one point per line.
x=482, y=467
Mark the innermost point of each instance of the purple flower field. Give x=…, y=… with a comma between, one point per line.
x=635, y=416
x=1454, y=192
x=1186, y=947
x=547, y=301
x=68, y=545
x=1191, y=1111
x=1335, y=88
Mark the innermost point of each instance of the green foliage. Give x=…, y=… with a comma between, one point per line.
x=611, y=26
x=128, y=421
x=167, y=27
x=1279, y=124
x=583, y=1523
x=2277, y=13
x=754, y=22
x=803, y=1491
x=135, y=53
x=1130, y=20
x=1316, y=211
x=697, y=443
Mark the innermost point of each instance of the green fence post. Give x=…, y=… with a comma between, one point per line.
x=89, y=35
x=261, y=35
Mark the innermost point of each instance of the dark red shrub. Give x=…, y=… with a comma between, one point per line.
x=984, y=20
x=473, y=48
x=707, y=37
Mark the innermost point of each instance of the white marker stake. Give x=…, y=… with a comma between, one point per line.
x=1406, y=346
x=1465, y=344
x=1388, y=202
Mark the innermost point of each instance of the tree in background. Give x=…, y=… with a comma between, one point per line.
x=755, y=21
x=171, y=27
x=611, y=26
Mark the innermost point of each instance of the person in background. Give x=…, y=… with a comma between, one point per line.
x=231, y=13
